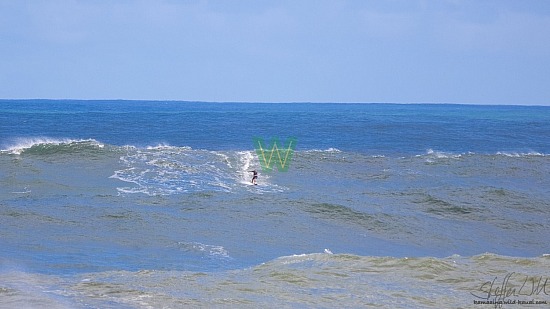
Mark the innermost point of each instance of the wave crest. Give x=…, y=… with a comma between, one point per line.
x=40, y=145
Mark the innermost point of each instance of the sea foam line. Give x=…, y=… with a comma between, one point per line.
x=521, y=154
x=434, y=154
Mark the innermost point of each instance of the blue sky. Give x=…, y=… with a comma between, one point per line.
x=401, y=51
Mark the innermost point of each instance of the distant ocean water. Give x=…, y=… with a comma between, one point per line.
x=136, y=204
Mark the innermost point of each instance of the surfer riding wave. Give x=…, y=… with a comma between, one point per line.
x=254, y=176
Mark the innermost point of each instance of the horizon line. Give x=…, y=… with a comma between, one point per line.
x=275, y=102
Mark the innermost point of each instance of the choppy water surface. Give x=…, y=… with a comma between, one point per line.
x=149, y=204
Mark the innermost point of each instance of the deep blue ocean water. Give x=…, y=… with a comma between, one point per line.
x=365, y=128
x=139, y=204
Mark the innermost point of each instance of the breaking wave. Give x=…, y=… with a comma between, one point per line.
x=46, y=145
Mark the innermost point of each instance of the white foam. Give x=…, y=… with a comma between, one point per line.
x=432, y=154
x=167, y=170
x=520, y=154
x=225, y=159
x=329, y=150
x=128, y=190
x=27, y=191
x=211, y=250
x=245, y=158
x=165, y=146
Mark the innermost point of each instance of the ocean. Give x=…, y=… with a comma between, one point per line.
x=149, y=204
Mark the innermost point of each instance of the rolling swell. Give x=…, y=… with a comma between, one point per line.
x=305, y=280
x=344, y=214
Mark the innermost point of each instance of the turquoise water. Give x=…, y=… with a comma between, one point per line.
x=149, y=204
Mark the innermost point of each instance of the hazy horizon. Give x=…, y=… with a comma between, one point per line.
x=269, y=102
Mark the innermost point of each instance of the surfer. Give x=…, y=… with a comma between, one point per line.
x=254, y=176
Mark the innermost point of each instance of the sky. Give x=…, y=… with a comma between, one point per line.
x=391, y=51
